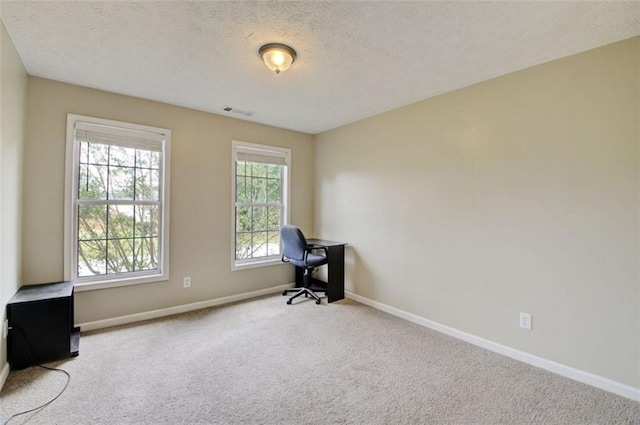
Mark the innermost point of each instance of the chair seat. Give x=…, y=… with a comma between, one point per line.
x=313, y=260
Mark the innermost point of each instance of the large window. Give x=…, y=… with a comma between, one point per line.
x=117, y=203
x=260, y=203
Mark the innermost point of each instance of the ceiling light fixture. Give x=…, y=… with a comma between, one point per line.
x=277, y=57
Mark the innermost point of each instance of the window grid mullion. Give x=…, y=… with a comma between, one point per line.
x=106, y=245
x=116, y=202
x=252, y=232
x=267, y=229
x=135, y=185
x=242, y=204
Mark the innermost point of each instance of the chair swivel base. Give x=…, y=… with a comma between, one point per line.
x=302, y=291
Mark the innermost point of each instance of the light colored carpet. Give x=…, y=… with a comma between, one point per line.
x=264, y=362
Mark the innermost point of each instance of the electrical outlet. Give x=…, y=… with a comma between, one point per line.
x=525, y=321
x=5, y=329
x=186, y=282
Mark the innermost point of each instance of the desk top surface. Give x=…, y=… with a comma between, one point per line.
x=322, y=242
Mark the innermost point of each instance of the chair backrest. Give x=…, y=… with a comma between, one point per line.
x=293, y=241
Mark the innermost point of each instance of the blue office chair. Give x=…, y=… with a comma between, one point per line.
x=296, y=251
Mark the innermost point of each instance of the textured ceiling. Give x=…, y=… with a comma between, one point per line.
x=355, y=59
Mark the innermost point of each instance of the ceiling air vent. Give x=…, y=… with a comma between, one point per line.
x=237, y=111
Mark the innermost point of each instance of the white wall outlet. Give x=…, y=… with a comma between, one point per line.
x=5, y=329
x=186, y=282
x=525, y=321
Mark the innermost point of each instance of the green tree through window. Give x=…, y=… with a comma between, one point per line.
x=258, y=209
x=118, y=201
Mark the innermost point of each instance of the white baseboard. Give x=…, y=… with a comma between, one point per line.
x=4, y=373
x=560, y=369
x=138, y=317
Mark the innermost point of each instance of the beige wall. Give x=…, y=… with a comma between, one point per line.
x=519, y=194
x=200, y=197
x=13, y=94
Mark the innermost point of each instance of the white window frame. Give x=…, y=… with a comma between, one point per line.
x=71, y=210
x=286, y=190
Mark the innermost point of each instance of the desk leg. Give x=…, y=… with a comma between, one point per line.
x=299, y=277
x=335, y=286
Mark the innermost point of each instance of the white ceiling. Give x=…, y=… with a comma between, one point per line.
x=355, y=59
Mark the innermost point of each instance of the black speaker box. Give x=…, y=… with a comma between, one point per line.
x=41, y=325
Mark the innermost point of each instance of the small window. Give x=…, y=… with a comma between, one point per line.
x=117, y=224
x=260, y=203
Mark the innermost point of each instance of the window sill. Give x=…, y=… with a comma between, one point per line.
x=106, y=284
x=235, y=266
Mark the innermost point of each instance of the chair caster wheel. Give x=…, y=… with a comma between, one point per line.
x=306, y=295
x=284, y=293
x=289, y=302
x=318, y=302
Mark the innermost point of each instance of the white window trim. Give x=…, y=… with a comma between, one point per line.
x=286, y=191
x=70, y=212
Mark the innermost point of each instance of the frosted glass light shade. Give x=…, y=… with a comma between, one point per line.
x=277, y=57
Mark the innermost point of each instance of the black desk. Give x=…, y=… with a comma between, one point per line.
x=335, y=284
